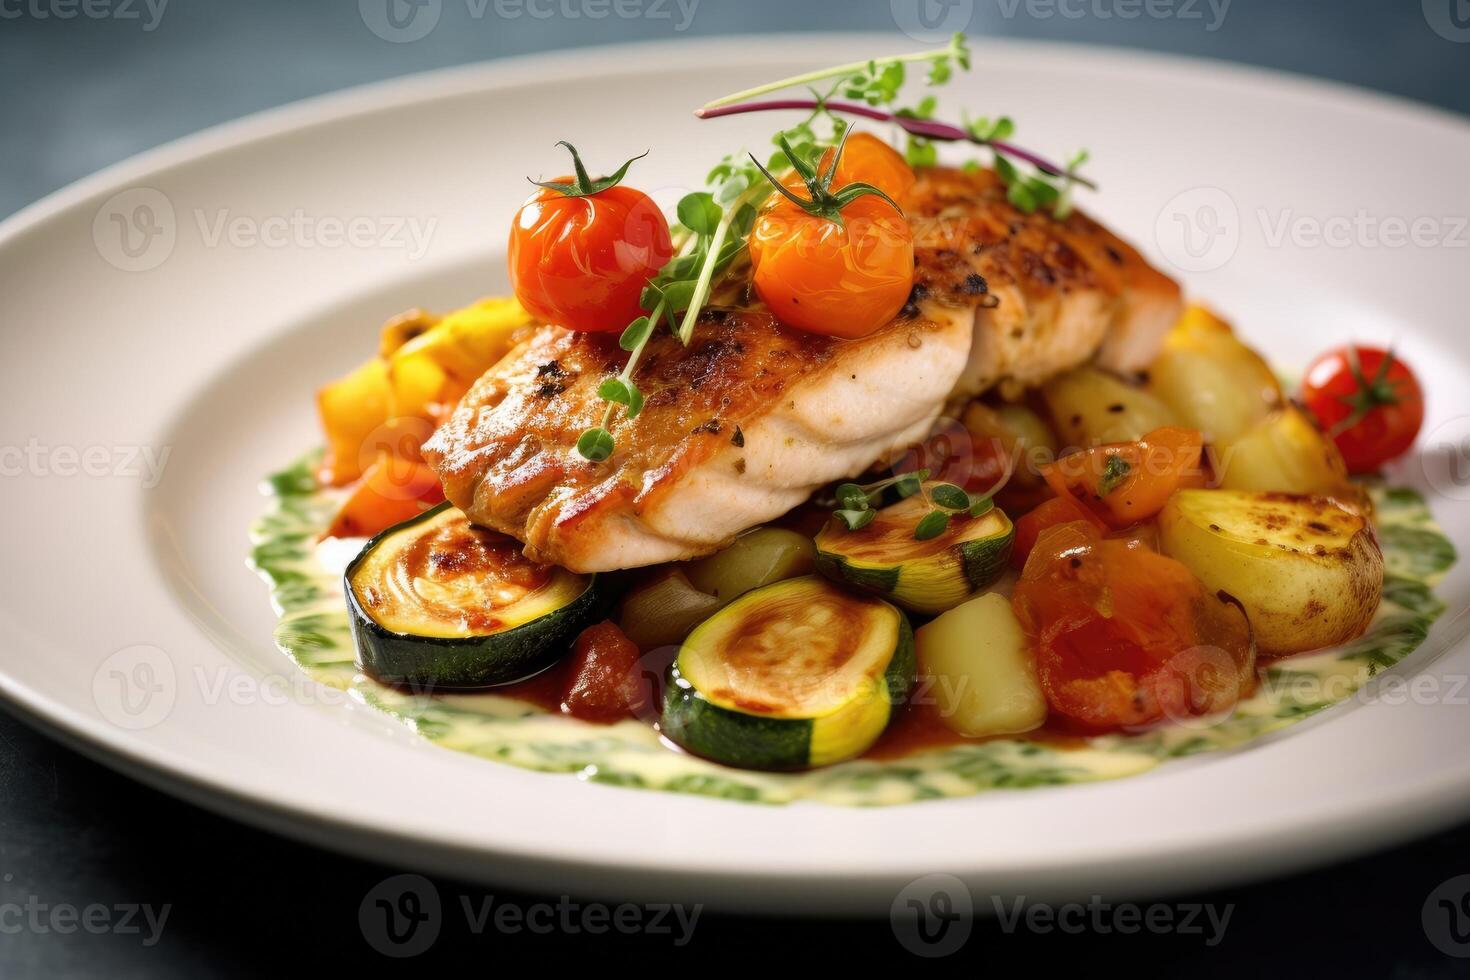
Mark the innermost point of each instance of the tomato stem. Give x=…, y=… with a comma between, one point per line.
x=584, y=185
x=1379, y=392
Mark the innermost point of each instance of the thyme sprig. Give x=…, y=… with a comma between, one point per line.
x=857, y=503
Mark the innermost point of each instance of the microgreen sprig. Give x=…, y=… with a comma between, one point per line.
x=875, y=84
x=873, y=79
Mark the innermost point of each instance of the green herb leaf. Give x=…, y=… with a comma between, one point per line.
x=931, y=526
x=855, y=520
x=950, y=497
x=909, y=484
x=850, y=496
x=636, y=333
x=699, y=213
x=595, y=445
x=980, y=506
x=622, y=391
x=1115, y=471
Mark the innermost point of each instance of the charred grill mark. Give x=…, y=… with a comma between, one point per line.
x=553, y=377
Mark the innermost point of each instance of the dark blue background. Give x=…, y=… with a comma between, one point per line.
x=78, y=94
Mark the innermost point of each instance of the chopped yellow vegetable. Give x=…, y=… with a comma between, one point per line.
x=980, y=669
x=1210, y=380
x=350, y=410
x=436, y=368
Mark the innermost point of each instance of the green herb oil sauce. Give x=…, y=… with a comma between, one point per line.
x=306, y=588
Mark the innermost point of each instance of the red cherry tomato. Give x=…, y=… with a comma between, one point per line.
x=1126, y=637
x=1368, y=401
x=581, y=255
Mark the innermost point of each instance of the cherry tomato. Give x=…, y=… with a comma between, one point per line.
x=1125, y=637
x=868, y=160
x=845, y=281
x=1046, y=515
x=581, y=252
x=1368, y=401
x=1128, y=482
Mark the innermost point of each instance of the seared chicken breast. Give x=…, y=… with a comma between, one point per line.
x=751, y=417
x=737, y=428
x=1048, y=295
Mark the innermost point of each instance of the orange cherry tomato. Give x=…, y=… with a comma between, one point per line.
x=1128, y=482
x=1048, y=514
x=867, y=159
x=844, y=281
x=1126, y=637
x=580, y=260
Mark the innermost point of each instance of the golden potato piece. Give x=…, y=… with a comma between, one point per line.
x=1307, y=569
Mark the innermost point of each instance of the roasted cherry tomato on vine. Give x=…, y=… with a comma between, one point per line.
x=581, y=250
x=839, y=260
x=1126, y=637
x=1368, y=401
x=867, y=159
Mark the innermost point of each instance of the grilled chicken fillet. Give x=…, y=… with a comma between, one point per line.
x=749, y=419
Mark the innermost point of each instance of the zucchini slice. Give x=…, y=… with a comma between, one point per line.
x=922, y=576
x=436, y=601
x=790, y=676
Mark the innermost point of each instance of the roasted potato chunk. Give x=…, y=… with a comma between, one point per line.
x=1307, y=569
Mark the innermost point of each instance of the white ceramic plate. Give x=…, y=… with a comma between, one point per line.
x=133, y=629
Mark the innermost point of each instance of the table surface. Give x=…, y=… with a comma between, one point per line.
x=86, y=86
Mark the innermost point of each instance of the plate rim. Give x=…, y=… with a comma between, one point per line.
x=115, y=748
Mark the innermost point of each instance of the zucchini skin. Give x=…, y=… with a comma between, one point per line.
x=976, y=564
x=759, y=742
x=427, y=662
